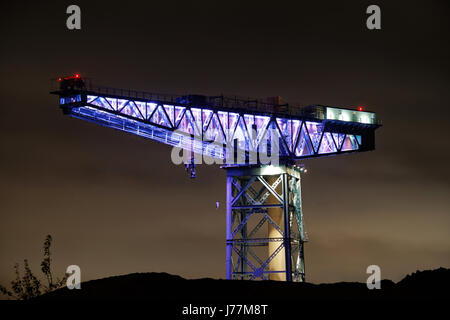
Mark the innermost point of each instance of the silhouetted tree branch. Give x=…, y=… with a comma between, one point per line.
x=29, y=286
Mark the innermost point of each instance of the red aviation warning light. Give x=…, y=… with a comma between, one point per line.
x=72, y=82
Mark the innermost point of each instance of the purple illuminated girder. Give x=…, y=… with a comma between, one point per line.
x=298, y=138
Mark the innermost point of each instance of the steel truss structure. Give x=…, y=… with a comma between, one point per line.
x=196, y=127
x=265, y=230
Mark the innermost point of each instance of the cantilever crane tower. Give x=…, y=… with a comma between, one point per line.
x=265, y=232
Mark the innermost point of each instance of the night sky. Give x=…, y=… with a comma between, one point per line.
x=115, y=204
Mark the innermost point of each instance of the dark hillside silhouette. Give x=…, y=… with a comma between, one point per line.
x=428, y=285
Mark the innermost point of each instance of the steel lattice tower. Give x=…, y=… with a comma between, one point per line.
x=265, y=230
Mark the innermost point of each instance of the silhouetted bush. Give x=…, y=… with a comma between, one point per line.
x=29, y=286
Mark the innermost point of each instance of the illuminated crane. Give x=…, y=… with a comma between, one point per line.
x=258, y=194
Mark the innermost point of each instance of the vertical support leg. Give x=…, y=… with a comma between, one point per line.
x=287, y=228
x=229, y=236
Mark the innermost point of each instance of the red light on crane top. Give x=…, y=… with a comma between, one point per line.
x=360, y=108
